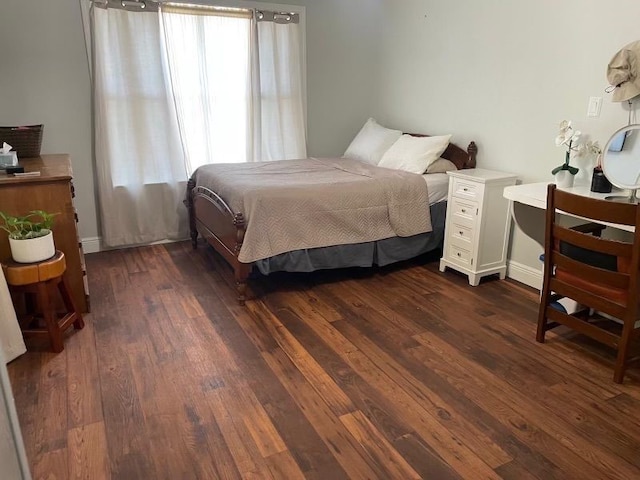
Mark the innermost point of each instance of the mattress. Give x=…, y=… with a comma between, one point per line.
x=438, y=186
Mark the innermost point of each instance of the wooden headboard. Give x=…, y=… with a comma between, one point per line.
x=461, y=158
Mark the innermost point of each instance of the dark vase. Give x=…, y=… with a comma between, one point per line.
x=600, y=183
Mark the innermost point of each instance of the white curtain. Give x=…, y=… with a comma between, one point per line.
x=278, y=117
x=11, y=342
x=208, y=58
x=140, y=163
x=237, y=84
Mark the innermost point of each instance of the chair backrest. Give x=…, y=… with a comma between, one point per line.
x=604, y=269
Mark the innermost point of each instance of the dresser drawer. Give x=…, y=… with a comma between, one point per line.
x=459, y=255
x=466, y=189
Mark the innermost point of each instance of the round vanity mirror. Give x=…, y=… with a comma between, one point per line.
x=621, y=161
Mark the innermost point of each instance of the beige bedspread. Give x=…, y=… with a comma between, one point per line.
x=318, y=202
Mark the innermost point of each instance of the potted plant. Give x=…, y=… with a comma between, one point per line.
x=564, y=174
x=30, y=236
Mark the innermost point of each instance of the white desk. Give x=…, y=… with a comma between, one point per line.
x=530, y=203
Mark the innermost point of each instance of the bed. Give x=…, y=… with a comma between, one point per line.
x=234, y=208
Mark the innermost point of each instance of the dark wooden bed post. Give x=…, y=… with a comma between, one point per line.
x=193, y=231
x=241, y=270
x=472, y=150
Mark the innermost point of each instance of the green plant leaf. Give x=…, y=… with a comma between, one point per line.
x=26, y=226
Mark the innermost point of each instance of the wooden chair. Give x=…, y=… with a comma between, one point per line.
x=597, y=273
x=42, y=279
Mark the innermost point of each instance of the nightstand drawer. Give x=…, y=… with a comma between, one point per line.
x=466, y=189
x=459, y=255
x=463, y=211
x=461, y=236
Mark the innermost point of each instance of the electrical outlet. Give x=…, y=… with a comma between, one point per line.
x=595, y=105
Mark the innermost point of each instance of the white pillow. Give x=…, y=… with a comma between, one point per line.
x=441, y=165
x=372, y=142
x=414, y=154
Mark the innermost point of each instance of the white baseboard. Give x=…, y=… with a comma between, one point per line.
x=91, y=245
x=525, y=274
x=94, y=244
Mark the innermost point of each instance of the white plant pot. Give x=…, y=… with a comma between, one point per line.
x=564, y=179
x=32, y=250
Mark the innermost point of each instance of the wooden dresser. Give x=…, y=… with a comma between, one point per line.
x=52, y=191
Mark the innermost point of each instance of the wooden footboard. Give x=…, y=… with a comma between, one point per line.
x=213, y=219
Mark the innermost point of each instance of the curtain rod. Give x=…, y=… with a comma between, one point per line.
x=152, y=6
x=277, y=17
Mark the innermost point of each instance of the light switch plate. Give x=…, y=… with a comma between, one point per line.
x=595, y=105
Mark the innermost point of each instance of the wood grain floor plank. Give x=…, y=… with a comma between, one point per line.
x=51, y=465
x=378, y=408
x=283, y=465
x=312, y=370
x=88, y=453
x=127, y=436
x=527, y=414
x=83, y=379
x=429, y=400
x=455, y=399
x=377, y=447
x=422, y=459
x=343, y=446
x=303, y=442
x=52, y=408
x=606, y=436
x=247, y=457
x=455, y=453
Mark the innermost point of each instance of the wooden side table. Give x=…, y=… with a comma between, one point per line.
x=42, y=279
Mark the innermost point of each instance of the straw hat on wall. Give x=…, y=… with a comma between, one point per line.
x=623, y=73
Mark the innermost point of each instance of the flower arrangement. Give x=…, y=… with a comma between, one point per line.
x=570, y=138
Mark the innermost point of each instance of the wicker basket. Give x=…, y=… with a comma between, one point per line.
x=25, y=140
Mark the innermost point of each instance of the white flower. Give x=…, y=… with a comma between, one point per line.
x=588, y=148
x=566, y=135
x=569, y=138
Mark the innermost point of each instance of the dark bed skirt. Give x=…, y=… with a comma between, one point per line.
x=382, y=252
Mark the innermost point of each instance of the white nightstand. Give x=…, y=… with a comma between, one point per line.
x=478, y=223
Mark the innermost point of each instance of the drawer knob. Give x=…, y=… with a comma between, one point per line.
x=465, y=189
x=461, y=232
x=463, y=210
x=458, y=254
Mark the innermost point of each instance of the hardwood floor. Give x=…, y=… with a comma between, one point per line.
x=393, y=373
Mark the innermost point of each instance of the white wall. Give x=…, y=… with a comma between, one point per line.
x=503, y=74
x=342, y=57
x=44, y=78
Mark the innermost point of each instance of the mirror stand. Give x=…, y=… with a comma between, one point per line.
x=633, y=198
x=621, y=163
